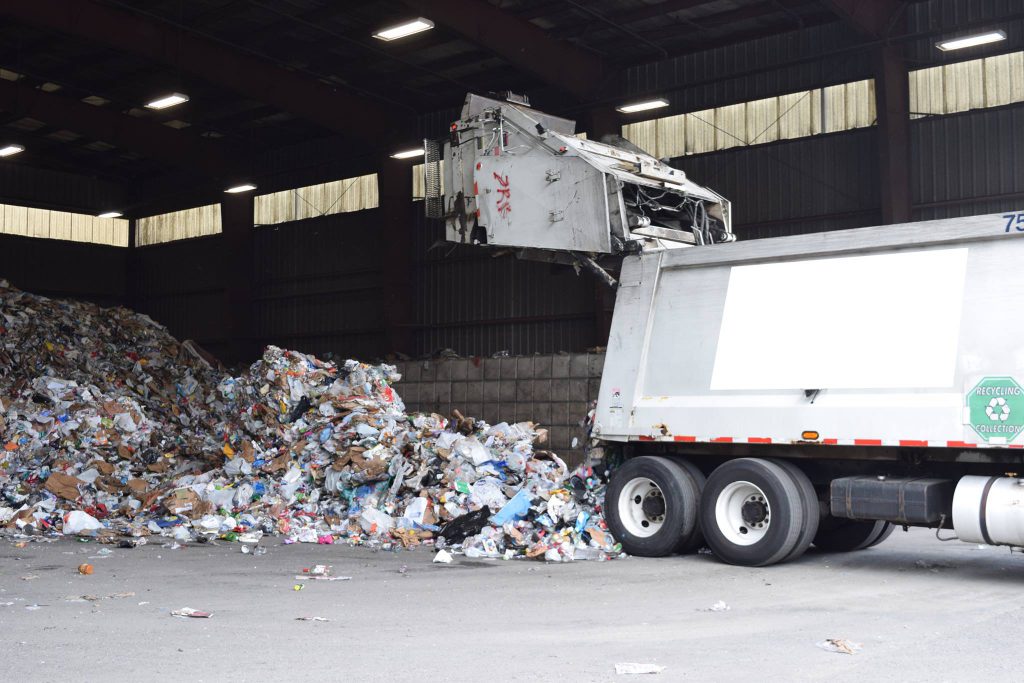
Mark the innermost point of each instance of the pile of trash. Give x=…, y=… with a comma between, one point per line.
x=112, y=428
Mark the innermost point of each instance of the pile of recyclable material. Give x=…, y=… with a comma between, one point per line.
x=109, y=427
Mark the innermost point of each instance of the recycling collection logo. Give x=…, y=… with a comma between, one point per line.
x=998, y=409
x=995, y=409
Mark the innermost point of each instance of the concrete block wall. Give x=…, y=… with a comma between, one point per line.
x=553, y=390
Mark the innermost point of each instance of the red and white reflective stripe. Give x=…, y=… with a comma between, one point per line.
x=901, y=443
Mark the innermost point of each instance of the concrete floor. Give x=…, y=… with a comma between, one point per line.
x=922, y=610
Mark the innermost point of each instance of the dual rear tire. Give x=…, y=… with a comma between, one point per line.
x=756, y=512
x=750, y=512
x=651, y=506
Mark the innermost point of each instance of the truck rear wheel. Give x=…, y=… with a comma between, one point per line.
x=696, y=540
x=847, y=535
x=812, y=511
x=651, y=506
x=886, y=533
x=752, y=512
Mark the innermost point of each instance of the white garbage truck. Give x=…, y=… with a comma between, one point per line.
x=771, y=394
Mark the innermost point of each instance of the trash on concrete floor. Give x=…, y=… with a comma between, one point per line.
x=111, y=428
x=637, y=668
x=719, y=606
x=188, y=612
x=840, y=645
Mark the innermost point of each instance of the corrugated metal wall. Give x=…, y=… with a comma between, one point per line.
x=968, y=164
x=827, y=182
x=317, y=286
x=62, y=269
x=790, y=62
x=48, y=189
x=181, y=285
x=320, y=285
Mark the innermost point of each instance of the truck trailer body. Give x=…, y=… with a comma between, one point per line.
x=773, y=394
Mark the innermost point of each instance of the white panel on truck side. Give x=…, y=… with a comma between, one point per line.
x=882, y=321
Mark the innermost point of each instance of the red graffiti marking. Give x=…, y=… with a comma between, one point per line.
x=504, y=195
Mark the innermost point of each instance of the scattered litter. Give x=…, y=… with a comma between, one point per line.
x=112, y=430
x=719, y=606
x=311, y=619
x=637, y=668
x=33, y=608
x=306, y=577
x=85, y=569
x=30, y=577
x=840, y=645
x=298, y=587
x=933, y=566
x=97, y=598
x=403, y=569
x=188, y=612
x=443, y=556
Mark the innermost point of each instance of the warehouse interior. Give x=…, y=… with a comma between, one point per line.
x=253, y=175
x=809, y=116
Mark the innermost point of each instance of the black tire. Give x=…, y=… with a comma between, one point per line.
x=848, y=535
x=784, y=503
x=696, y=540
x=886, y=533
x=812, y=510
x=679, y=493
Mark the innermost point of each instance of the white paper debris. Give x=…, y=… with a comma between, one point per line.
x=637, y=668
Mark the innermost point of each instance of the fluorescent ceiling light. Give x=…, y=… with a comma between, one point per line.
x=110, y=214
x=403, y=30
x=642, y=106
x=408, y=153
x=971, y=41
x=10, y=150
x=171, y=100
x=245, y=187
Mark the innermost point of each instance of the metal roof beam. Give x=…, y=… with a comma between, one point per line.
x=520, y=42
x=120, y=130
x=192, y=51
x=874, y=19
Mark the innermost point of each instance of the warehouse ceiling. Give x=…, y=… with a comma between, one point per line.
x=266, y=74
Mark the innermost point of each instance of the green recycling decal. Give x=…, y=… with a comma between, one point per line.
x=996, y=409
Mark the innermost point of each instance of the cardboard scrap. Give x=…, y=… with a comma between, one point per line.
x=180, y=501
x=63, y=485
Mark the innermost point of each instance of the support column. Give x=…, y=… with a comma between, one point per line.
x=598, y=123
x=238, y=270
x=394, y=183
x=892, y=102
x=131, y=275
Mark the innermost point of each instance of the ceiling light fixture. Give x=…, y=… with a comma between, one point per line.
x=244, y=187
x=642, y=106
x=408, y=153
x=110, y=214
x=971, y=41
x=402, y=30
x=11, y=150
x=167, y=101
